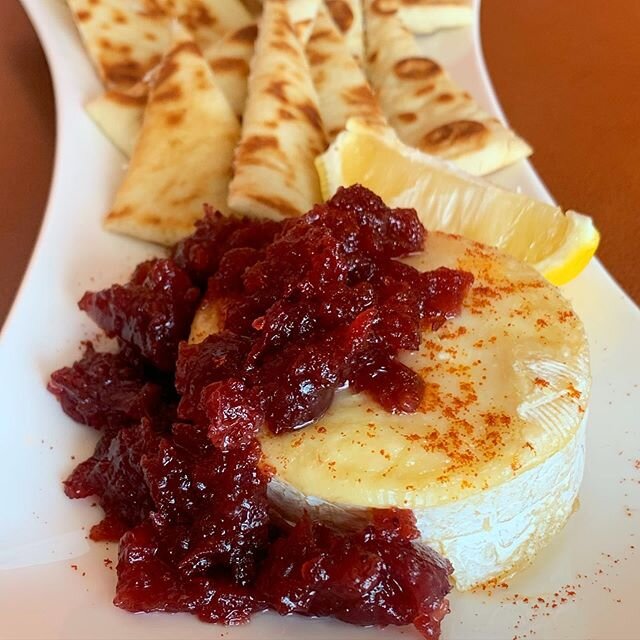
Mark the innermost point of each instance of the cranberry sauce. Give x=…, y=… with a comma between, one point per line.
x=307, y=306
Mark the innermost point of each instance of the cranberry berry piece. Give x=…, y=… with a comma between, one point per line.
x=152, y=312
x=105, y=390
x=200, y=253
x=114, y=474
x=234, y=413
x=375, y=575
x=216, y=358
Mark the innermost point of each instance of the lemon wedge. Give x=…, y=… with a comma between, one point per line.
x=558, y=244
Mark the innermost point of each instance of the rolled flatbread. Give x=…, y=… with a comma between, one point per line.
x=282, y=132
x=343, y=89
x=229, y=59
x=428, y=16
x=119, y=116
x=423, y=104
x=124, y=39
x=183, y=156
x=347, y=15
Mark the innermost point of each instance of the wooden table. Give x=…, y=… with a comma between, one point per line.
x=567, y=73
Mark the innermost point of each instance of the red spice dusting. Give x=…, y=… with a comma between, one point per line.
x=309, y=305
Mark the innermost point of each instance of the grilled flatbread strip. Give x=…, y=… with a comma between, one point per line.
x=119, y=116
x=302, y=14
x=425, y=107
x=208, y=20
x=184, y=152
x=282, y=133
x=125, y=40
x=229, y=59
x=347, y=14
x=428, y=16
x=343, y=90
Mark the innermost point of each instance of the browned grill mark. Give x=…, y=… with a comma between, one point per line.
x=169, y=94
x=246, y=34
x=197, y=16
x=416, y=68
x=277, y=89
x=83, y=16
x=257, y=143
x=322, y=34
x=358, y=95
x=407, y=117
x=469, y=133
x=341, y=14
x=174, y=118
x=384, y=7
x=427, y=88
x=224, y=65
x=126, y=99
x=316, y=58
x=445, y=97
x=311, y=113
x=283, y=45
x=119, y=17
x=285, y=114
x=187, y=47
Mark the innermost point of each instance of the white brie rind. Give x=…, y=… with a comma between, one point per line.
x=492, y=461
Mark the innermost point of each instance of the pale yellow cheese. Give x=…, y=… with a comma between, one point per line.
x=492, y=461
x=506, y=387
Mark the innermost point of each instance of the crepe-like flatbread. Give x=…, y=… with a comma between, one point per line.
x=425, y=107
x=428, y=16
x=125, y=39
x=343, y=90
x=282, y=133
x=302, y=14
x=183, y=156
x=229, y=59
x=208, y=20
x=119, y=116
x=347, y=15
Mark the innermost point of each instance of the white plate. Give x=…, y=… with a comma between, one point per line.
x=42, y=533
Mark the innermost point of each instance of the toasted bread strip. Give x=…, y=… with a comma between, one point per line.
x=125, y=40
x=282, y=132
x=347, y=15
x=428, y=16
x=230, y=58
x=183, y=155
x=343, y=90
x=423, y=104
x=119, y=116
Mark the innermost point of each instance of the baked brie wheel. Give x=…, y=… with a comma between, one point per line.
x=492, y=461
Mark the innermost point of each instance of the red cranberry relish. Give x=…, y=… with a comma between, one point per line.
x=307, y=306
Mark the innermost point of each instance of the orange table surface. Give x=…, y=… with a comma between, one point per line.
x=567, y=73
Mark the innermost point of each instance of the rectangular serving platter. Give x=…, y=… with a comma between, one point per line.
x=54, y=584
